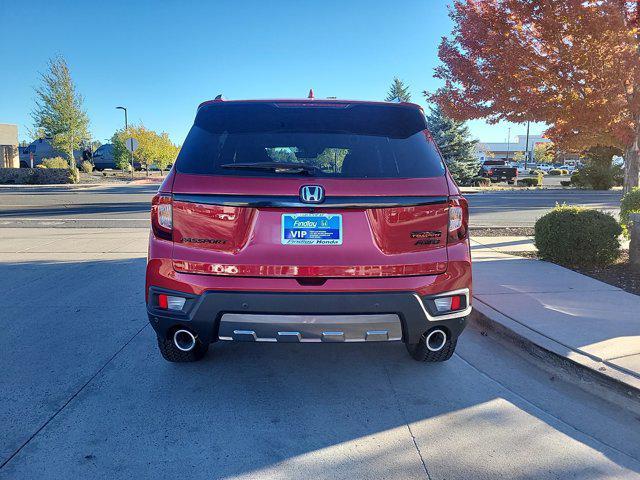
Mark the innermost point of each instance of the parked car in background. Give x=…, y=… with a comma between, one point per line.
x=308, y=221
x=40, y=149
x=498, y=171
x=103, y=157
x=568, y=167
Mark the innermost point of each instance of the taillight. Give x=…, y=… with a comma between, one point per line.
x=162, y=216
x=490, y=172
x=458, y=218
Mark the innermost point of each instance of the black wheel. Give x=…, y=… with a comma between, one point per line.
x=171, y=353
x=432, y=347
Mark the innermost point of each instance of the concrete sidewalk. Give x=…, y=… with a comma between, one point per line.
x=586, y=322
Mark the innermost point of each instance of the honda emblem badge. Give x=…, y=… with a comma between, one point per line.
x=312, y=194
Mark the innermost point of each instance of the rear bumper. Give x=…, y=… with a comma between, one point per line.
x=303, y=317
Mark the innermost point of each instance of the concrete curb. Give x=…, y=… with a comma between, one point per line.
x=73, y=186
x=60, y=186
x=147, y=181
x=474, y=190
x=604, y=377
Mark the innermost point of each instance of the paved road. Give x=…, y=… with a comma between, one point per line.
x=85, y=394
x=523, y=208
x=128, y=206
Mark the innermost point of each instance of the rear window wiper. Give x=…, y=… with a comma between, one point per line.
x=274, y=166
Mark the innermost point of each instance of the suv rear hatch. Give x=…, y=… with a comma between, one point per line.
x=309, y=189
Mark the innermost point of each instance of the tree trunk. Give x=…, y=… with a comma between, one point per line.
x=632, y=163
x=72, y=160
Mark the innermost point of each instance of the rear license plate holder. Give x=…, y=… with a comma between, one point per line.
x=311, y=229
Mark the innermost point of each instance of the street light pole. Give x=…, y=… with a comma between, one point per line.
x=126, y=128
x=526, y=154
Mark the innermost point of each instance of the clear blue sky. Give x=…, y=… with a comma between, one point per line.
x=161, y=59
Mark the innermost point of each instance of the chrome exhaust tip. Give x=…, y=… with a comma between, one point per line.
x=184, y=340
x=436, y=340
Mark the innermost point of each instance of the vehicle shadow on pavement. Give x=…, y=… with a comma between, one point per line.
x=85, y=394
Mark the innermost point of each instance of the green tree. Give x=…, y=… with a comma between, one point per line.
x=599, y=173
x=543, y=153
x=120, y=153
x=518, y=157
x=455, y=143
x=153, y=148
x=94, y=145
x=398, y=91
x=167, y=151
x=59, y=113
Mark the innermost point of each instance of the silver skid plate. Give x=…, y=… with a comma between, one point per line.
x=310, y=328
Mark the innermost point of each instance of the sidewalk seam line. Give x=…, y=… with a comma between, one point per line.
x=404, y=419
x=55, y=414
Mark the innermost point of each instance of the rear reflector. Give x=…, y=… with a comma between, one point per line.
x=456, y=302
x=163, y=302
x=169, y=302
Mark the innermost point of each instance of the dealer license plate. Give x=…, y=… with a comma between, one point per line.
x=311, y=229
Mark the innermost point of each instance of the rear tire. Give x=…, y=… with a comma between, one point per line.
x=171, y=353
x=421, y=353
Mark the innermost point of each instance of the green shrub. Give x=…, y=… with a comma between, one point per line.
x=74, y=175
x=529, y=182
x=55, y=162
x=532, y=182
x=599, y=173
x=86, y=166
x=564, y=171
x=536, y=172
x=576, y=236
x=555, y=172
x=595, y=177
x=565, y=183
x=618, y=175
x=630, y=203
x=480, y=182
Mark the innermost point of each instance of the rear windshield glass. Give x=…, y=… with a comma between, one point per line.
x=348, y=141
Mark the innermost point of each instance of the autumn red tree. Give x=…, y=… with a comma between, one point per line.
x=573, y=64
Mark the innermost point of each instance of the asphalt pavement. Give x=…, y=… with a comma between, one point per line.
x=125, y=206
x=85, y=394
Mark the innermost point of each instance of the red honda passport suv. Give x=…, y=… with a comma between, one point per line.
x=308, y=221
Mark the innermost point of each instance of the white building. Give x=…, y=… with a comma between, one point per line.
x=8, y=146
x=506, y=150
